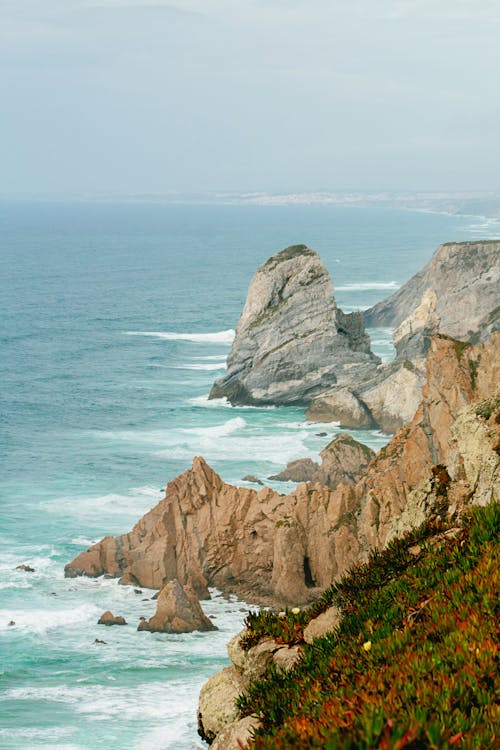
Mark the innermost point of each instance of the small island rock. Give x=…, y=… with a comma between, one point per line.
x=108, y=618
x=178, y=611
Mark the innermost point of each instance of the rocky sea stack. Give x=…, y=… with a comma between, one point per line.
x=292, y=341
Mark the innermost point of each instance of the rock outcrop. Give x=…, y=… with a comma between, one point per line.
x=456, y=294
x=177, y=611
x=292, y=342
x=343, y=461
x=269, y=547
x=108, y=618
x=218, y=717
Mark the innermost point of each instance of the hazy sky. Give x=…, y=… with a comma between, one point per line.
x=131, y=96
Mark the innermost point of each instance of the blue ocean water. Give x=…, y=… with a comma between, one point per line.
x=116, y=318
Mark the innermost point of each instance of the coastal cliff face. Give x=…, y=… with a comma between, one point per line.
x=464, y=277
x=292, y=341
x=456, y=294
x=268, y=547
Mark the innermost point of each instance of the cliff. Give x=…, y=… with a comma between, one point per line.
x=456, y=294
x=292, y=342
x=286, y=548
x=464, y=277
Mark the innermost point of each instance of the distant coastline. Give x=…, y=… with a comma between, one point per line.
x=485, y=205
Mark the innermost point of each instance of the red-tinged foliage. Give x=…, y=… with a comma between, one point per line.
x=429, y=679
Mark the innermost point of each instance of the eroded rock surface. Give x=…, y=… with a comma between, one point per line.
x=465, y=277
x=270, y=547
x=177, y=611
x=292, y=342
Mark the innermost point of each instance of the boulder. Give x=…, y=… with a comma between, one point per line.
x=216, y=705
x=342, y=406
x=322, y=624
x=292, y=342
x=108, y=618
x=300, y=470
x=26, y=568
x=237, y=735
x=177, y=611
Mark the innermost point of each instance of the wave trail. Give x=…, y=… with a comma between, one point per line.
x=217, y=337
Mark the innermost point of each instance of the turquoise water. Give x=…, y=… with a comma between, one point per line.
x=115, y=321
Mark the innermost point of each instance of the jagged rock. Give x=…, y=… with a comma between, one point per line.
x=292, y=342
x=263, y=545
x=177, y=611
x=108, y=618
x=237, y=735
x=26, y=568
x=322, y=624
x=464, y=277
x=342, y=462
x=216, y=706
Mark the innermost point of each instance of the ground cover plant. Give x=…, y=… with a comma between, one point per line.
x=414, y=663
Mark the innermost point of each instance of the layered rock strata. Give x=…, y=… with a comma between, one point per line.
x=292, y=342
x=465, y=278
x=343, y=461
x=268, y=547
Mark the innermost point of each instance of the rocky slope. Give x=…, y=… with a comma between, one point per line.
x=292, y=342
x=270, y=547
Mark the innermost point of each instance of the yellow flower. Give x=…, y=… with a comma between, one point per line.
x=367, y=645
x=295, y=611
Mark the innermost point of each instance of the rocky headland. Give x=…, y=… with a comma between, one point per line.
x=293, y=345
x=273, y=548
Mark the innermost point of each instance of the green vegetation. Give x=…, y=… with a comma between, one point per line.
x=287, y=254
x=414, y=662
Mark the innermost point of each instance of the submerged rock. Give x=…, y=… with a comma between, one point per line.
x=292, y=342
x=178, y=611
x=26, y=568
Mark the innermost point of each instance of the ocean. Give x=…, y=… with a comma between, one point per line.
x=116, y=319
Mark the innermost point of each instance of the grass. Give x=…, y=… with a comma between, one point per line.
x=414, y=663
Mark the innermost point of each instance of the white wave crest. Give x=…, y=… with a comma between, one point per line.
x=367, y=286
x=218, y=337
x=40, y=620
x=215, y=403
x=206, y=366
x=233, y=425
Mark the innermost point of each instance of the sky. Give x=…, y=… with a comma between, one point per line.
x=129, y=97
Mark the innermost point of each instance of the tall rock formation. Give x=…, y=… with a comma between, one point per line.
x=292, y=342
x=284, y=548
x=456, y=294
